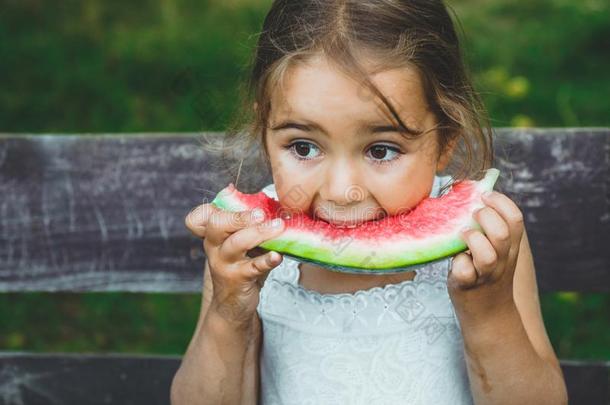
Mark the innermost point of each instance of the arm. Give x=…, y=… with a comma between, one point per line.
x=220, y=365
x=493, y=288
x=508, y=354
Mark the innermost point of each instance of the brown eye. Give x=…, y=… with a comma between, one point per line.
x=302, y=149
x=379, y=153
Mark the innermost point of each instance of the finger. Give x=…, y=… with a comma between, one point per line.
x=236, y=246
x=197, y=219
x=224, y=223
x=463, y=274
x=495, y=229
x=510, y=212
x=483, y=253
x=261, y=265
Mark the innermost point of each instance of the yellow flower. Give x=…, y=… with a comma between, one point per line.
x=522, y=121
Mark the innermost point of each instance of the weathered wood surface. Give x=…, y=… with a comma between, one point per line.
x=560, y=178
x=60, y=379
x=587, y=382
x=106, y=213
x=102, y=213
x=32, y=379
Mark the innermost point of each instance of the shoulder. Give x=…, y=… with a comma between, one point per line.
x=269, y=189
x=441, y=185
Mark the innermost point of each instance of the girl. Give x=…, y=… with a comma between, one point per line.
x=358, y=106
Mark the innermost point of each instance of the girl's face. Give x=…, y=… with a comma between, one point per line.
x=334, y=154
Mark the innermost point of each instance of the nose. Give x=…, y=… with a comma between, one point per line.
x=342, y=186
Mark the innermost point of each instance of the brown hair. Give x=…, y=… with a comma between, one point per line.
x=398, y=33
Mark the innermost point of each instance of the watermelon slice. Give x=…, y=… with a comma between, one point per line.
x=429, y=232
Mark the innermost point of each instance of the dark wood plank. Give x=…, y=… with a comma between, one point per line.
x=32, y=379
x=49, y=379
x=560, y=178
x=105, y=213
x=588, y=382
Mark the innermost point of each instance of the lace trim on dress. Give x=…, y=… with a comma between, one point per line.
x=392, y=307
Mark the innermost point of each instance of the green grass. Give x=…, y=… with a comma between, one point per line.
x=164, y=323
x=98, y=322
x=96, y=66
x=577, y=324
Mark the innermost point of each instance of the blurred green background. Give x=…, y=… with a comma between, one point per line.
x=169, y=65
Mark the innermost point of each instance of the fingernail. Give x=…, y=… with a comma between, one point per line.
x=258, y=215
x=274, y=257
x=276, y=223
x=487, y=194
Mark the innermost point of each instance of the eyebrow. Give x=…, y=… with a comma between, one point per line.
x=372, y=128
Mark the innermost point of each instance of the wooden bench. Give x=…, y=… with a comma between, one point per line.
x=106, y=213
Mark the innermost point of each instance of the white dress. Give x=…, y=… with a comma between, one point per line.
x=396, y=344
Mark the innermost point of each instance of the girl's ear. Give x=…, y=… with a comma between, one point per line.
x=255, y=106
x=445, y=157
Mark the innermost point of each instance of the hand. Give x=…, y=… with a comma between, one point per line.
x=236, y=277
x=196, y=222
x=481, y=279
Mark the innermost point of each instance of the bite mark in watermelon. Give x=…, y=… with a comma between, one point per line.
x=428, y=232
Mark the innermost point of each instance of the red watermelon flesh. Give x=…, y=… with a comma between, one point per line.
x=428, y=232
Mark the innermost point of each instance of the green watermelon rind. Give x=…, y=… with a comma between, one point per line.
x=371, y=262
x=422, y=251
x=358, y=258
